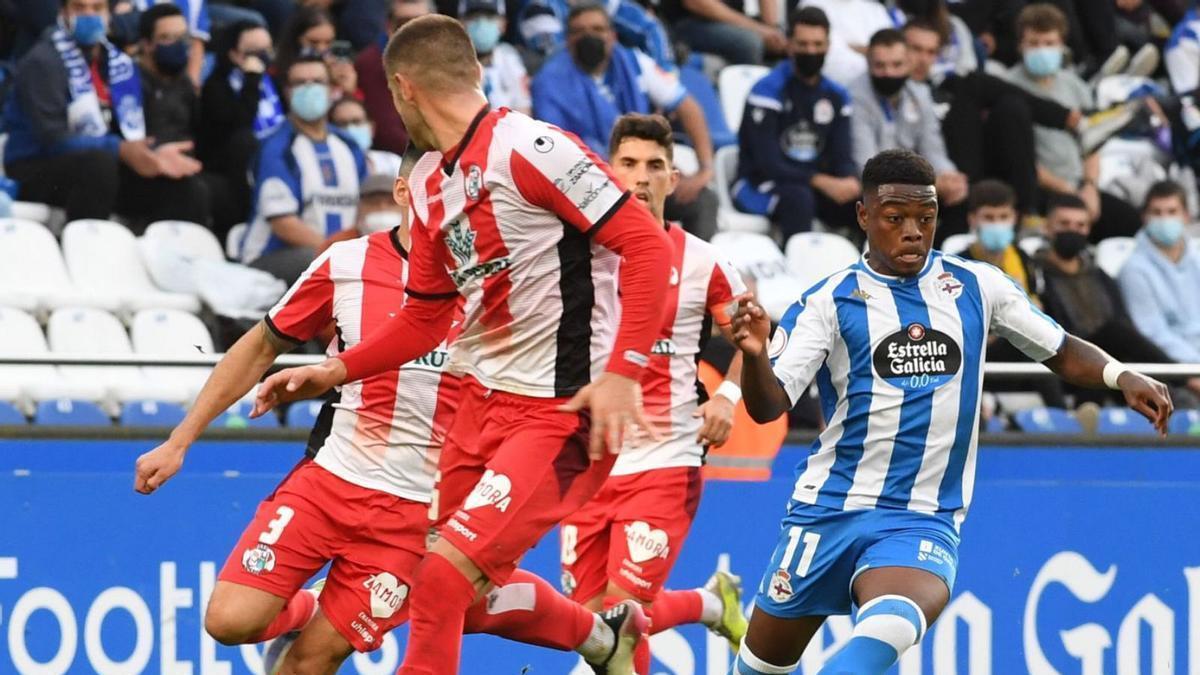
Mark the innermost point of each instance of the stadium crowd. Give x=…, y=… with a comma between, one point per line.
x=1054, y=127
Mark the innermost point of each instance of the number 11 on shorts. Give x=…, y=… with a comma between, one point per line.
x=811, y=540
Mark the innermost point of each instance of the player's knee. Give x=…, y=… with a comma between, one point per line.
x=301, y=661
x=892, y=619
x=227, y=625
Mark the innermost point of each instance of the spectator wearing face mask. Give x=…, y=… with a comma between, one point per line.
x=239, y=105
x=1161, y=279
x=306, y=179
x=890, y=111
x=390, y=134
x=195, y=12
x=992, y=216
x=542, y=25
x=351, y=116
x=310, y=32
x=172, y=114
x=382, y=205
x=587, y=86
x=852, y=23
x=1063, y=166
x=505, y=80
x=795, y=162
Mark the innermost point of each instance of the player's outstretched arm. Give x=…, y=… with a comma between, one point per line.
x=234, y=375
x=765, y=398
x=1083, y=364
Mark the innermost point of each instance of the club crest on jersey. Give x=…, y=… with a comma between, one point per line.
x=780, y=588
x=474, y=182
x=778, y=343
x=387, y=594
x=259, y=559
x=461, y=242
x=917, y=357
x=493, y=489
x=949, y=286
x=645, y=542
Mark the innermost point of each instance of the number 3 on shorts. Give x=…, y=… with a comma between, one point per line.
x=811, y=540
x=275, y=527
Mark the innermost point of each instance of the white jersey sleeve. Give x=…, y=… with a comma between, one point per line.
x=801, y=343
x=1015, y=318
x=663, y=88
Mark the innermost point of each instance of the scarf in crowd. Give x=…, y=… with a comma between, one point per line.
x=270, y=108
x=84, y=116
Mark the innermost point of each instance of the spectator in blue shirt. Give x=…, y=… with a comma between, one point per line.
x=1161, y=279
x=796, y=162
x=542, y=26
x=587, y=86
x=306, y=179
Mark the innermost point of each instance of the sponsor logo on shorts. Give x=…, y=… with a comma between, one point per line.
x=780, y=588
x=363, y=631
x=635, y=579
x=259, y=559
x=458, y=527
x=568, y=583
x=491, y=490
x=645, y=543
x=387, y=594
x=928, y=551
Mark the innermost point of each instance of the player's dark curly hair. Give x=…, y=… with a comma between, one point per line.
x=897, y=167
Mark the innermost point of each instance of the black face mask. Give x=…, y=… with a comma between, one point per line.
x=171, y=58
x=1067, y=245
x=888, y=86
x=590, y=51
x=264, y=56
x=808, y=65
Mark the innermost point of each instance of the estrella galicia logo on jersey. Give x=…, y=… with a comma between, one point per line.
x=917, y=357
x=461, y=242
x=258, y=560
x=474, y=182
x=543, y=144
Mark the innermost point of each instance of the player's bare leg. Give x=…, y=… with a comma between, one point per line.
x=238, y=614
x=774, y=645
x=319, y=650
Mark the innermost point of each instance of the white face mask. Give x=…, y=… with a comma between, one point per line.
x=382, y=220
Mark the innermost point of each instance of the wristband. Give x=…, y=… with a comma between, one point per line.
x=1112, y=371
x=729, y=390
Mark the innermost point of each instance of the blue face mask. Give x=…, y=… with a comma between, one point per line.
x=310, y=101
x=995, y=237
x=1043, y=61
x=1165, y=231
x=171, y=58
x=361, y=133
x=484, y=33
x=88, y=29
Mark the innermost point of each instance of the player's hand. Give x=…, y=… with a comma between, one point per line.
x=718, y=421
x=157, y=467
x=295, y=384
x=690, y=187
x=1148, y=397
x=751, y=327
x=615, y=402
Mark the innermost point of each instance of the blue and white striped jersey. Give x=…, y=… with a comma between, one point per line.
x=899, y=366
x=1182, y=54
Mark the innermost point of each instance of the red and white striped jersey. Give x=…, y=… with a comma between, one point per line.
x=703, y=286
x=385, y=432
x=506, y=221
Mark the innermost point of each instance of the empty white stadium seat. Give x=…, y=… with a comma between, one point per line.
x=686, y=160
x=82, y=331
x=169, y=250
x=957, y=244
x=734, y=84
x=757, y=256
x=812, y=256
x=167, y=333
x=233, y=240
x=33, y=275
x=1112, y=253
x=39, y=213
x=728, y=217
x=103, y=256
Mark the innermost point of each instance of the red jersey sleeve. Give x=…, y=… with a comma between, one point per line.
x=723, y=286
x=560, y=174
x=307, y=307
x=427, y=275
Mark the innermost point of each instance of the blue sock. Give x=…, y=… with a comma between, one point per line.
x=747, y=663
x=886, y=627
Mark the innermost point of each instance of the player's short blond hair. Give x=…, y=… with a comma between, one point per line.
x=435, y=52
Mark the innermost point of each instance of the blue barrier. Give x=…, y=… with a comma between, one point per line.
x=1073, y=560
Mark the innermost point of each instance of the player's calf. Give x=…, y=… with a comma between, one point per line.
x=319, y=650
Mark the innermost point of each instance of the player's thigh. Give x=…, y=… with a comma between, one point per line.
x=926, y=589
x=538, y=474
x=654, y=513
x=366, y=592
x=914, y=555
x=810, y=570
x=461, y=463
x=780, y=641
x=584, y=538
x=320, y=649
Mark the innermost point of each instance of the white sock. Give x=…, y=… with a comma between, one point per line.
x=599, y=642
x=713, y=607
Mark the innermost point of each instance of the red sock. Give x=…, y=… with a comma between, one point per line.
x=675, y=608
x=295, y=613
x=439, y=599
x=528, y=609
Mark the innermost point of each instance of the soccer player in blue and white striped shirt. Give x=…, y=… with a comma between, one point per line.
x=895, y=343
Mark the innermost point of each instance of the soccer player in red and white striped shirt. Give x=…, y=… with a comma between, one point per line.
x=526, y=226
x=623, y=543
